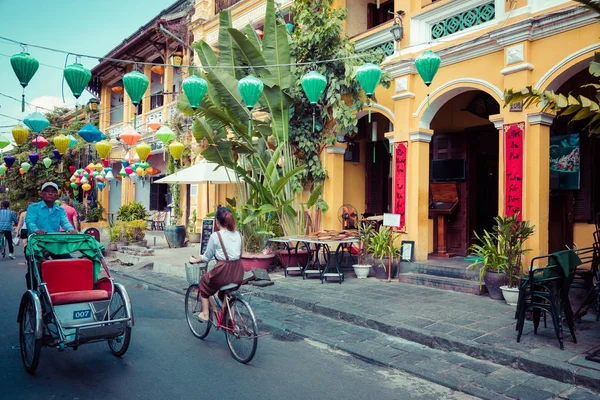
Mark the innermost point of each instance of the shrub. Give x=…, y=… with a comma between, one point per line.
x=132, y=211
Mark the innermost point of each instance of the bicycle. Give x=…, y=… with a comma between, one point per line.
x=236, y=319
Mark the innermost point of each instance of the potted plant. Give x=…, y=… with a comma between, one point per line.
x=256, y=228
x=490, y=263
x=362, y=268
x=114, y=234
x=193, y=236
x=135, y=231
x=382, y=245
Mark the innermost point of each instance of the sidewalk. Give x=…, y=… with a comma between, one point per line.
x=454, y=322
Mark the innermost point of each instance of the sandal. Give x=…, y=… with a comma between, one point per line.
x=201, y=319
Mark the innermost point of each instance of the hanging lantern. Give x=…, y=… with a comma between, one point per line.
x=90, y=133
x=427, y=65
x=47, y=162
x=33, y=158
x=20, y=134
x=73, y=185
x=77, y=77
x=130, y=136
x=158, y=69
x=152, y=171
x=133, y=177
x=260, y=33
x=93, y=104
x=75, y=193
x=25, y=166
x=177, y=59
x=4, y=142
x=165, y=135
x=21, y=171
x=154, y=126
x=250, y=89
x=72, y=169
x=72, y=139
x=314, y=85
x=39, y=142
x=103, y=149
x=2, y=169
x=117, y=89
x=145, y=165
x=101, y=186
x=9, y=160
x=62, y=143
x=129, y=170
x=123, y=173
x=98, y=167
x=176, y=150
x=36, y=121
x=86, y=187
x=124, y=163
x=140, y=171
x=109, y=175
x=106, y=162
x=25, y=68
x=56, y=154
x=143, y=150
x=135, y=84
x=194, y=88
x=368, y=77
x=290, y=28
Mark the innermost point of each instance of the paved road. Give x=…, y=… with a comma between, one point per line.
x=166, y=362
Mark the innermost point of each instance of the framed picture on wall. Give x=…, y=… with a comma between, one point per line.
x=407, y=250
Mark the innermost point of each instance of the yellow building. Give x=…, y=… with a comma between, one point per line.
x=455, y=133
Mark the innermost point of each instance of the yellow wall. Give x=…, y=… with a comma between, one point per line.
x=355, y=173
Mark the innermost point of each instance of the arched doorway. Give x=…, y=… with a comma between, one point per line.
x=574, y=171
x=367, y=164
x=464, y=154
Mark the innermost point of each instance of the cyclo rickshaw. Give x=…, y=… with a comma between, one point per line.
x=69, y=303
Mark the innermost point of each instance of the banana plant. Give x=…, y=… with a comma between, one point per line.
x=266, y=174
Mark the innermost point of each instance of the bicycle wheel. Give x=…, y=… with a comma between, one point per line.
x=193, y=306
x=242, y=331
x=30, y=346
x=119, y=345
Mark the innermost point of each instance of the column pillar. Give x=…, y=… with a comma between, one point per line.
x=536, y=180
x=146, y=99
x=333, y=189
x=417, y=191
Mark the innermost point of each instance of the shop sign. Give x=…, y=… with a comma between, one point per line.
x=516, y=107
x=513, y=160
x=400, y=182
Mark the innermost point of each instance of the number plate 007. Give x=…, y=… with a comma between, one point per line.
x=81, y=314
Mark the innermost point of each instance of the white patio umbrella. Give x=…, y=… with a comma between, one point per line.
x=201, y=172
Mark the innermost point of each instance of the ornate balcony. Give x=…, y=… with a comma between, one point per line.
x=221, y=5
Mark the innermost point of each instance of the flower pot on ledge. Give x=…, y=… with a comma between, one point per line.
x=261, y=261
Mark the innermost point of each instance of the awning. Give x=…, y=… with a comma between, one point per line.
x=201, y=172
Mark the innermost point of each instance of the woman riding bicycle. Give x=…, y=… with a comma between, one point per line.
x=226, y=246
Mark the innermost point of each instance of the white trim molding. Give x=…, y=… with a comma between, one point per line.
x=420, y=136
x=540, y=118
x=498, y=121
x=565, y=61
x=386, y=111
x=404, y=95
x=517, y=68
x=339, y=148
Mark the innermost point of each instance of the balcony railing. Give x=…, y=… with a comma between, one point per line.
x=467, y=19
x=221, y=5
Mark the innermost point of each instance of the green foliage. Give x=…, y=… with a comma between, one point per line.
x=129, y=231
x=365, y=232
x=95, y=214
x=503, y=248
x=114, y=233
x=576, y=107
x=192, y=222
x=319, y=35
x=132, y=211
x=383, y=244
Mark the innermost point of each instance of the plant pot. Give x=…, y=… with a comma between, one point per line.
x=112, y=246
x=361, y=271
x=284, y=259
x=194, y=237
x=175, y=235
x=261, y=261
x=493, y=281
x=381, y=272
x=511, y=295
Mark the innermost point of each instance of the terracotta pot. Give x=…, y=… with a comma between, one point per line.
x=493, y=281
x=261, y=261
x=302, y=257
x=381, y=272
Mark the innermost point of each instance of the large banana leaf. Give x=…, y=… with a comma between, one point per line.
x=227, y=51
x=250, y=54
x=276, y=50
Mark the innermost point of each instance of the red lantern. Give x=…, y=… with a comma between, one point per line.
x=78, y=182
x=260, y=33
x=72, y=169
x=40, y=142
x=106, y=162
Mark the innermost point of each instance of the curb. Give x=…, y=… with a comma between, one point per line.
x=540, y=366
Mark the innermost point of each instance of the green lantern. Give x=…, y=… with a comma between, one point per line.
x=25, y=68
x=368, y=77
x=194, y=88
x=47, y=162
x=251, y=89
x=135, y=84
x=314, y=85
x=290, y=28
x=427, y=65
x=77, y=77
x=2, y=169
x=36, y=121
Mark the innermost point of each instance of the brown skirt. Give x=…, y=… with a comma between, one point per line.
x=224, y=273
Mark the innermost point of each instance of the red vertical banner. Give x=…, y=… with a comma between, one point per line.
x=400, y=181
x=513, y=162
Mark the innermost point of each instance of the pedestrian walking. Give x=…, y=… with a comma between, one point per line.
x=71, y=213
x=22, y=231
x=7, y=220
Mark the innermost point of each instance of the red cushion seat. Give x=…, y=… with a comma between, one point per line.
x=71, y=281
x=80, y=296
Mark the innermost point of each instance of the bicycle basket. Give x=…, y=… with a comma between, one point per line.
x=192, y=273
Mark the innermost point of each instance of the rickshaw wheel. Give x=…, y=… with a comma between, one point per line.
x=119, y=346
x=30, y=346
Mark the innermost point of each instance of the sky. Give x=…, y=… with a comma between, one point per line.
x=86, y=27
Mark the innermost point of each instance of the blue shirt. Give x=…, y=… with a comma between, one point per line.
x=7, y=218
x=40, y=217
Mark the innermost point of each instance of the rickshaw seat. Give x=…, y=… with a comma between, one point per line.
x=71, y=281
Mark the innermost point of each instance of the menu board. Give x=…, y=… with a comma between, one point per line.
x=208, y=227
x=513, y=159
x=400, y=181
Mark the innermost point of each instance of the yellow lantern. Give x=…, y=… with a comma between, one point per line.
x=176, y=150
x=103, y=148
x=143, y=150
x=140, y=171
x=86, y=186
x=61, y=142
x=99, y=167
x=20, y=134
x=91, y=167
